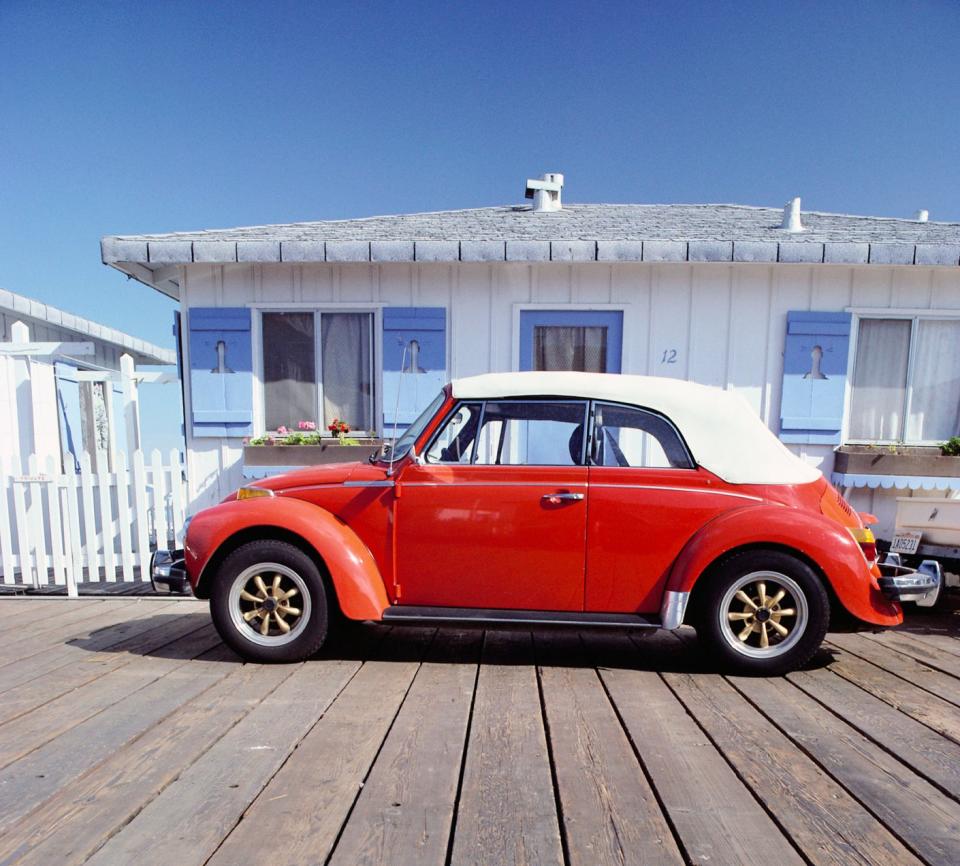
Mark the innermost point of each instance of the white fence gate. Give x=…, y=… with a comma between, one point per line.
x=101, y=523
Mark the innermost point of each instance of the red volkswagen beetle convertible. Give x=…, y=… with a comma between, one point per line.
x=575, y=499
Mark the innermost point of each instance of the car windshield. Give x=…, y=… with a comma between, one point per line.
x=391, y=451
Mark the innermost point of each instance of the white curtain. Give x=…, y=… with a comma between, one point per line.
x=879, y=379
x=347, y=377
x=935, y=399
x=561, y=347
x=289, y=369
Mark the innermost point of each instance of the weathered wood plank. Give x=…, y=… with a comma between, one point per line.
x=924, y=706
x=823, y=820
x=922, y=817
x=27, y=783
x=111, y=636
x=928, y=654
x=193, y=814
x=925, y=751
x=21, y=736
x=715, y=816
x=46, y=687
x=75, y=821
x=308, y=800
x=947, y=641
x=405, y=809
x=507, y=809
x=609, y=811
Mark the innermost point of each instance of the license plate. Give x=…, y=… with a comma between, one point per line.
x=906, y=542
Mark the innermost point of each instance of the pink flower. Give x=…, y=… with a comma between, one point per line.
x=307, y=425
x=282, y=431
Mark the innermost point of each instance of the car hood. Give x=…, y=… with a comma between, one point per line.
x=330, y=473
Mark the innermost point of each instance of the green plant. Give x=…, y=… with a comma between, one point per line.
x=258, y=440
x=951, y=448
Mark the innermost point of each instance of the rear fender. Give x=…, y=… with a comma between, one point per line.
x=356, y=578
x=821, y=541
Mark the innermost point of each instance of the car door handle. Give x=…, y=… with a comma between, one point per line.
x=558, y=498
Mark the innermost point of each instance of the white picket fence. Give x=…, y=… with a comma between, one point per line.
x=64, y=528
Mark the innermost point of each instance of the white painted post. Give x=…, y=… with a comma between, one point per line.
x=141, y=507
x=23, y=535
x=107, y=533
x=54, y=520
x=35, y=515
x=89, y=518
x=6, y=539
x=23, y=433
x=131, y=402
x=123, y=517
x=159, y=498
x=176, y=496
x=74, y=539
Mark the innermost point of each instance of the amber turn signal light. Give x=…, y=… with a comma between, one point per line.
x=253, y=492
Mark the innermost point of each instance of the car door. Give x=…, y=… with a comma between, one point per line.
x=646, y=500
x=493, y=515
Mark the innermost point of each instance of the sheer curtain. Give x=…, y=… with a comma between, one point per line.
x=879, y=379
x=289, y=369
x=558, y=347
x=347, y=378
x=935, y=398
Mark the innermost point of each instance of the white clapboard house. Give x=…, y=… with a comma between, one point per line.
x=79, y=500
x=838, y=329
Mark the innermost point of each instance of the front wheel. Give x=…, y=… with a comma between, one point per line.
x=269, y=604
x=763, y=612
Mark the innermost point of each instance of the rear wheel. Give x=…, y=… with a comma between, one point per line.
x=269, y=603
x=763, y=612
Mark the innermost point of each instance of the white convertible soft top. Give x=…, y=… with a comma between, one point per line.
x=724, y=433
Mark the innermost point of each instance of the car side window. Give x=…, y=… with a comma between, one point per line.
x=531, y=433
x=626, y=436
x=454, y=442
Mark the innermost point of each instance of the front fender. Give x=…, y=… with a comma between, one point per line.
x=356, y=579
x=819, y=539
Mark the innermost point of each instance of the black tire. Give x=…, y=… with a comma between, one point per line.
x=305, y=634
x=723, y=617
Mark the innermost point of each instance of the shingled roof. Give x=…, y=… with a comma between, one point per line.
x=578, y=232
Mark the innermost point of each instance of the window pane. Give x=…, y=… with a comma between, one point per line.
x=345, y=361
x=454, y=444
x=289, y=369
x=879, y=379
x=935, y=400
x=557, y=347
x=633, y=437
x=532, y=434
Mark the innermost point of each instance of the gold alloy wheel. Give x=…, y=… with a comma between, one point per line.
x=269, y=603
x=764, y=613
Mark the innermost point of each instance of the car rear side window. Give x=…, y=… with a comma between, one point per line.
x=629, y=437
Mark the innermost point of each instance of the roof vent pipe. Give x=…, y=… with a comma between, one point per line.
x=791, y=216
x=922, y=216
x=546, y=192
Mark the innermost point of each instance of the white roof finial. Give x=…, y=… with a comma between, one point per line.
x=921, y=216
x=791, y=216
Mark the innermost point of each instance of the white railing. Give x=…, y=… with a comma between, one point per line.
x=100, y=523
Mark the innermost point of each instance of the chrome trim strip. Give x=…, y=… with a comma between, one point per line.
x=673, y=608
x=368, y=483
x=490, y=484
x=677, y=489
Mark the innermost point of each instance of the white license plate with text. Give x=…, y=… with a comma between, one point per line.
x=906, y=542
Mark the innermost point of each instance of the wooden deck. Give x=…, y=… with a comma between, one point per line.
x=130, y=735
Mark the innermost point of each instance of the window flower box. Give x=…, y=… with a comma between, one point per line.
x=899, y=460
x=331, y=451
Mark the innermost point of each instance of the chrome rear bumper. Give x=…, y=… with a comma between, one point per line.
x=168, y=572
x=900, y=583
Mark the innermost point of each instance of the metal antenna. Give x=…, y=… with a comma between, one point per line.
x=396, y=408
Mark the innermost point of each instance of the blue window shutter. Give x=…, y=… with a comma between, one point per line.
x=414, y=361
x=814, y=377
x=221, y=371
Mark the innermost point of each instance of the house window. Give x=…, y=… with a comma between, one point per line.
x=316, y=367
x=906, y=380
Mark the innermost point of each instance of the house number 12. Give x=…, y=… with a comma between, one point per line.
x=669, y=356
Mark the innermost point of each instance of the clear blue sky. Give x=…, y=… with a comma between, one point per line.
x=125, y=117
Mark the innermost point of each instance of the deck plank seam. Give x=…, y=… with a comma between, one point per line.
x=919, y=659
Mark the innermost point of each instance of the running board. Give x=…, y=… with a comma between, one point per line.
x=409, y=614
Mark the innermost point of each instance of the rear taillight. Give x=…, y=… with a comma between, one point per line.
x=868, y=544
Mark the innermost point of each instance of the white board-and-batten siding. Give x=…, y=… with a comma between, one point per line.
x=719, y=324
